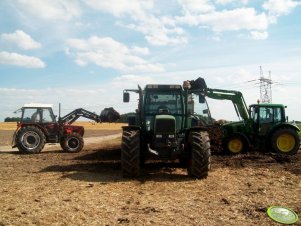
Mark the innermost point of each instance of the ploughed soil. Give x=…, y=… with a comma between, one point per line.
x=86, y=188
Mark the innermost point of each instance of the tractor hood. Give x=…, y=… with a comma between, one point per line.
x=235, y=127
x=165, y=124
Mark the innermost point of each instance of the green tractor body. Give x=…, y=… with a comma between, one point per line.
x=167, y=124
x=266, y=128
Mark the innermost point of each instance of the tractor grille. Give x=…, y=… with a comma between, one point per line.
x=165, y=126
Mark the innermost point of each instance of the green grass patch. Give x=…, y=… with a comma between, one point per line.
x=299, y=125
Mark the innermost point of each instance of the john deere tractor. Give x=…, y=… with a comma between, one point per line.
x=169, y=123
x=266, y=129
x=264, y=126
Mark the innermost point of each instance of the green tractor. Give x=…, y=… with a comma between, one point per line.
x=266, y=129
x=264, y=126
x=167, y=125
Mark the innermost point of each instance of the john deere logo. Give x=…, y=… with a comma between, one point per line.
x=282, y=215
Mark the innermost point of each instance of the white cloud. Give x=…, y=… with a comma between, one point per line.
x=140, y=50
x=118, y=8
x=280, y=7
x=228, y=20
x=51, y=9
x=131, y=81
x=20, y=60
x=197, y=6
x=160, y=31
x=225, y=2
x=258, y=35
x=21, y=39
x=108, y=53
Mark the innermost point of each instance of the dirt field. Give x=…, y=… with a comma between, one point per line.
x=86, y=188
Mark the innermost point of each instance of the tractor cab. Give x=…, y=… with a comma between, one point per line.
x=40, y=116
x=266, y=116
x=37, y=113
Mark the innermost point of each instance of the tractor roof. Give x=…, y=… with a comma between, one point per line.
x=269, y=105
x=37, y=105
x=163, y=87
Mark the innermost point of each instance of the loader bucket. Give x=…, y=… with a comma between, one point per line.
x=109, y=115
x=198, y=84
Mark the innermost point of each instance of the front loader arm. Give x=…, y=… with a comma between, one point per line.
x=235, y=96
x=80, y=112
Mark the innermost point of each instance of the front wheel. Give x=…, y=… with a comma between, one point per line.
x=285, y=141
x=235, y=145
x=30, y=140
x=199, y=162
x=72, y=143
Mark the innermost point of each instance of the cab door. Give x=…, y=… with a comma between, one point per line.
x=266, y=119
x=49, y=123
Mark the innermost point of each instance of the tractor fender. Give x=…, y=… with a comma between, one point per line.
x=282, y=125
x=13, y=142
x=20, y=126
x=69, y=129
x=35, y=125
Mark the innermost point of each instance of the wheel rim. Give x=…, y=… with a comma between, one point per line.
x=285, y=142
x=235, y=145
x=73, y=143
x=30, y=140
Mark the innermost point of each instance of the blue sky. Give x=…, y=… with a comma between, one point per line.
x=83, y=53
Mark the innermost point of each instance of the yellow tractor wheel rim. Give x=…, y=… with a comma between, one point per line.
x=285, y=142
x=235, y=145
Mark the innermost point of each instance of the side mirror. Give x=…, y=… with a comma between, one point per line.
x=202, y=99
x=126, y=97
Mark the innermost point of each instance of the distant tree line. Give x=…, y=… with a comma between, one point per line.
x=12, y=119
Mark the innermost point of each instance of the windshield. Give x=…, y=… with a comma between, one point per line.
x=169, y=103
x=43, y=115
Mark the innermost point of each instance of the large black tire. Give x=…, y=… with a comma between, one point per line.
x=130, y=153
x=235, y=144
x=285, y=141
x=199, y=163
x=72, y=143
x=30, y=140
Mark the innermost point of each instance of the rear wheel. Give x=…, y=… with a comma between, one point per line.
x=130, y=153
x=199, y=162
x=235, y=145
x=30, y=140
x=285, y=141
x=72, y=143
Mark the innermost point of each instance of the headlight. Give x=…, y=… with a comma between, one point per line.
x=159, y=136
x=171, y=136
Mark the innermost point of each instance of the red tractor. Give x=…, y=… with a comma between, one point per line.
x=38, y=126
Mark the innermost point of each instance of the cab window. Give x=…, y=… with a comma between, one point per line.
x=265, y=114
x=254, y=113
x=277, y=114
x=47, y=116
x=31, y=115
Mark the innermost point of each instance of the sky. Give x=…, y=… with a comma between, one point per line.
x=83, y=53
